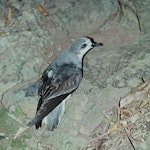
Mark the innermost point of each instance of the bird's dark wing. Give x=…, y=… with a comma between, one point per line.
x=54, y=89
x=46, y=108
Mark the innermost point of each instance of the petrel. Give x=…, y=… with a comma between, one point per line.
x=61, y=78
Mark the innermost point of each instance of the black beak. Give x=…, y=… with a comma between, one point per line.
x=94, y=44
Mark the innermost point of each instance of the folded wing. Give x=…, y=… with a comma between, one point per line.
x=55, y=86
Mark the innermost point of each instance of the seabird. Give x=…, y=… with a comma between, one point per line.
x=61, y=78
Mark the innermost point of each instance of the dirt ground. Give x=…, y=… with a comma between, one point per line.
x=110, y=110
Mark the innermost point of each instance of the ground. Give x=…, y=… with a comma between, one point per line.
x=105, y=112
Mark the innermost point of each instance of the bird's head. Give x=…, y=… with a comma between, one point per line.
x=82, y=45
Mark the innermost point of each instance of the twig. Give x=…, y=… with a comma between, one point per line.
x=130, y=141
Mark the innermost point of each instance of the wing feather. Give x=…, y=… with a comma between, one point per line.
x=53, y=90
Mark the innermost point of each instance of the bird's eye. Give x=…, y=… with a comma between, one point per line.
x=84, y=46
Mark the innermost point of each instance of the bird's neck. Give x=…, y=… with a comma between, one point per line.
x=69, y=58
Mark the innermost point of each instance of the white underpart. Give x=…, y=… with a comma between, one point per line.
x=61, y=108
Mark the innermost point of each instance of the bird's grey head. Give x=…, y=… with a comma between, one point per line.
x=82, y=45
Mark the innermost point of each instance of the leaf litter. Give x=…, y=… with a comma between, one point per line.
x=127, y=124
